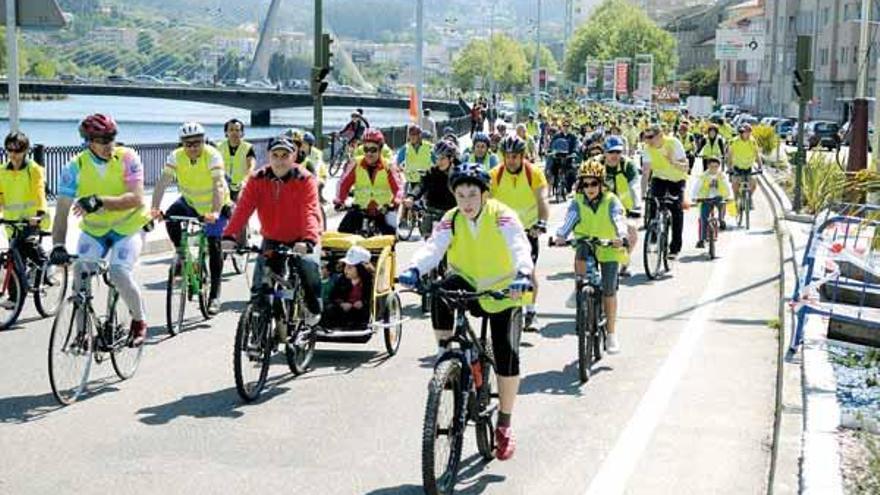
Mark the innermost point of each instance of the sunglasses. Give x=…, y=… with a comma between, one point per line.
x=16, y=150
x=103, y=139
x=651, y=136
x=592, y=183
x=614, y=152
x=371, y=149
x=192, y=144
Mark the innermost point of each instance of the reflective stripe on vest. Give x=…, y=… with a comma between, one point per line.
x=661, y=167
x=483, y=257
x=196, y=182
x=111, y=183
x=416, y=162
x=367, y=191
x=599, y=224
x=515, y=191
x=235, y=166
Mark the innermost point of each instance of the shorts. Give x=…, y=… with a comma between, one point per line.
x=124, y=250
x=608, y=269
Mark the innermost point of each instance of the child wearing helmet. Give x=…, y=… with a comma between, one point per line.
x=596, y=212
x=486, y=249
x=712, y=190
x=480, y=152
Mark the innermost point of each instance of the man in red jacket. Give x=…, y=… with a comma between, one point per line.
x=285, y=196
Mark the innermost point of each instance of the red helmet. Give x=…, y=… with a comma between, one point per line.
x=373, y=135
x=97, y=125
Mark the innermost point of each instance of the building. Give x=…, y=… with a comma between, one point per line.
x=245, y=47
x=738, y=80
x=115, y=37
x=292, y=44
x=662, y=11
x=694, y=30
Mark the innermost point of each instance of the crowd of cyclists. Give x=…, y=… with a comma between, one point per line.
x=485, y=200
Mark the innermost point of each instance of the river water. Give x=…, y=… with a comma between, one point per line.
x=153, y=120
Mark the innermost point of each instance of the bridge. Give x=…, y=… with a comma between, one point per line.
x=260, y=102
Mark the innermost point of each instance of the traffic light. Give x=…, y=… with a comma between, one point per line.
x=803, y=84
x=322, y=68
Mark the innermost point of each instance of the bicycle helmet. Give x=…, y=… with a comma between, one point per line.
x=190, y=129
x=744, y=128
x=309, y=138
x=481, y=137
x=613, y=143
x=470, y=173
x=445, y=147
x=591, y=168
x=427, y=136
x=513, y=144
x=373, y=135
x=97, y=125
x=294, y=135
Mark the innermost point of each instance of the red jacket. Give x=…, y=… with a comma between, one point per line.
x=287, y=207
x=348, y=180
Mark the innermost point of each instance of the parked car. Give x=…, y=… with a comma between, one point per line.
x=71, y=78
x=783, y=127
x=147, y=79
x=176, y=81
x=507, y=111
x=729, y=111
x=823, y=133
x=770, y=121
x=118, y=79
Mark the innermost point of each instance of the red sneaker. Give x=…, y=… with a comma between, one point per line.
x=505, y=443
x=138, y=332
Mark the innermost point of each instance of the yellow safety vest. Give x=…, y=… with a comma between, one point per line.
x=597, y=223
x=706, y=186
x=416, y=162
x=236, y=166
x=515, y=191
x=111, y=183
x=616, y=181
x=686, y=141
x=24, y=192
x=660, y=165
x=483, y=259
x=743, y=154
x=712, y=149
x=196, y=182
x=367, y=191
x=532, y=129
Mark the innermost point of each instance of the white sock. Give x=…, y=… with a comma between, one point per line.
x=530, y=308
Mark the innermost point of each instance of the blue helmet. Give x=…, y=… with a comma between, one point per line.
x=613, y=143
x=471, y=173
x=309, y=138
x=481, y=137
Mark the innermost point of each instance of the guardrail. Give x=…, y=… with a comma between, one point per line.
x=153, y=156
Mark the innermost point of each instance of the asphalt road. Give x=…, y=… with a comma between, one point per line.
x=685, y=408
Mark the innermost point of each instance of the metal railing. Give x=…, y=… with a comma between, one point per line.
x=153, y=156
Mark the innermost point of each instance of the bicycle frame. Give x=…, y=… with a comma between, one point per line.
x=190, y=227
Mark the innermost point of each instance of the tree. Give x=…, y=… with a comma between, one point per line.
x=619, y=29
x=704, y=82
x=547, y=60
x=509, y=66
x=145, y=43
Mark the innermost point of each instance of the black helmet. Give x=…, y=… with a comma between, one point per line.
x=513, y=144
x=445, y=147
x=471, y=173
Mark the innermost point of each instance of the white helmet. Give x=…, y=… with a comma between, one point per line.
x=191, y=129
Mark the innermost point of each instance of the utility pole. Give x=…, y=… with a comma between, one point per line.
x=317, y=95
x=12, y=66
x=858, y=144
x=491, y=51
x=420, y=40
x=803, y=88
x=537, y=80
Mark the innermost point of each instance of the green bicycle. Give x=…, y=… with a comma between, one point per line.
x=188, y=274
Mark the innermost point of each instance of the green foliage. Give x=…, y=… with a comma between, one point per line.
x=509, y=65
x=617, y=28
x=704, y=81
x=547, y=60
x=283, y=68
x=766, y=138
x=824, y=182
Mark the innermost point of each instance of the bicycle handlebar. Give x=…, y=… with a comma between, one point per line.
x=595, y=241
x=200, y=221
x=19, y=225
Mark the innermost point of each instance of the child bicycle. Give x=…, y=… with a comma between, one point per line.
x=712, y=225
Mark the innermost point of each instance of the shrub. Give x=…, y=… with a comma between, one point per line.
x=766, y=138
x=824, y=182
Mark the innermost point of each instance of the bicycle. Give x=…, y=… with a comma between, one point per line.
x=369, y=226
x=240, y=260
x=464, y=375
x=744, y=196
x=46, y=282
x=278, y=301
x=591, y=322
x=712, y=226
x=80, y=336
x=655, y=253
x=341, y=156
x=188, y=274
x=410, y=220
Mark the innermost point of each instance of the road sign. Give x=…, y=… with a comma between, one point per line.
x=35, y=14
x=738, y=44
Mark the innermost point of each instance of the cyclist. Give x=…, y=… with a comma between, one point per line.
x=742, y=155
x=414, y=159
x=480, y=153
x=198, y=169
x=285, y=197
x=665, y=162
x=23, y=197
x=313, y=159
x=713, y=189
x=486, y=248
x=622, y=179
x=104, y=185
x=355, y=127
x=597, y=212
x=239, y=158
x=434, y=187
x=713, y=146
x=523, y=187
x=376, y=184
x=532, y=128
x=687, y=140
x=531, y=147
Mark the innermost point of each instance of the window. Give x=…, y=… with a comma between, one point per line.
x=826, y=14
x=844, y=55
x=823, y=56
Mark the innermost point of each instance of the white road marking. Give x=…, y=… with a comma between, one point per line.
x=620, y=463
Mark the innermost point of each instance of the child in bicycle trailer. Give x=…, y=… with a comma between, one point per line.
x=348, y=305
x=713, y=190
x=487, y=249
x=597, y=212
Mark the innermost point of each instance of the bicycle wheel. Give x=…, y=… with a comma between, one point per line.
x=252, y=352
x=487, y=412
x=12, y=295
x=583, y=327
x=652, y=257
x=176, y=295
x=50, y=286
x=71, y=344
x=204, y=288
x=748, y=209
x=442, y=430
x=392, y=334
x=300, y=349
x=597, y=328
x=239, y=261
x=664, y=241
x=336, y=165
x=740, y=208
x=711, y=236
x=407, y=225
x=123, y=356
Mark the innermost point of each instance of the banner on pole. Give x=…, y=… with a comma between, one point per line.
x=608, y=80
x=592, y=77
x=644, y=82
x=620, y=77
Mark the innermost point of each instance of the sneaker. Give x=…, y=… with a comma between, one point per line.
x=531, y=323
x=505, y=443
x=311, y=319
x=137, y=332
x=624, y=272
x=213, y=307
x=700, y=244
x=611, y=344
x=571, y=302
x=723, y=225
x=672, y=256
x=8, y=304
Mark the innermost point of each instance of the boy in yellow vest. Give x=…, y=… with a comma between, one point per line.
x=596, y=212
x=239, y=158
x=414, y=160
x=486, y=248
x=104, y=185
x=712, y=190
x=200, y=174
